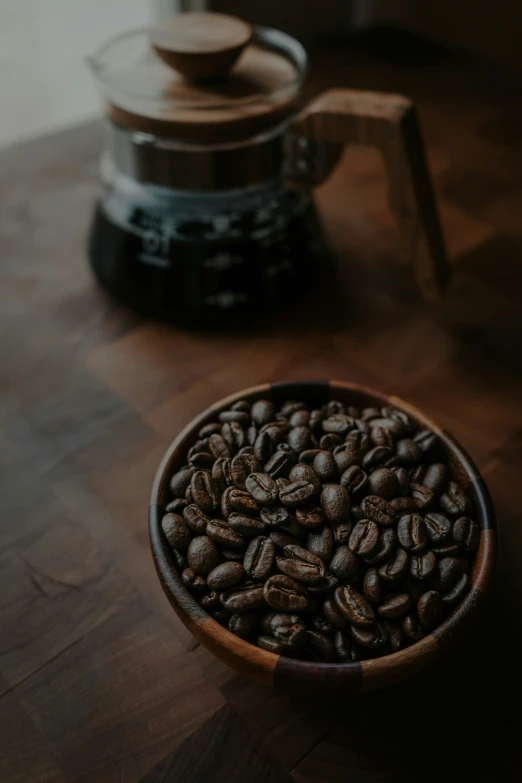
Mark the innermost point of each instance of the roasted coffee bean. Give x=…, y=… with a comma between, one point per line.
x=335, y=502
x=326, y=587
x=372, y=638
x=422, y=566
x=342, y=532
x=276, y=431
x=300, y=418
x=202, y=461
x=262, y=488
x=395, y=606
x=282, y=539
x=344, y=647
x=209, y=601
x=393, y=425
x=457, y=592
x=180, y=560
x=331, y=611
x=176, y=531
x=193, y=581
x=403, y=479
x=412, y=627
x=423, y=496
x=243, y=625
x=232, y=554
x=234, y=499
x=221, y=533
x=275, y=516
x=346, y=456
x=225, y=575
x=395, y=636
x=446, y=574
x=354, y=606
x=372, y=588
x=425, y=440
x=354, y=480
x=393, y=569
x=320, y=624
x=301, y=565
x=377, y=509
x=262, y=412
x=401, y=506
x=322, y=645
x=247, y=526
x=234, y=435
x=364, y=538
x=321, y=543
x=180, y=481
x=307, y=457
x=259, y=557
x=438, y=527
x=301, y=438
x=285, y=594
x=281, y=483
x=196, y=519
x=208, y=430
x=243, y=598
x=324, y=466
x=286, y=628
x=188, y=495
x=297, y=493
x=416, y=474
x=270, y=644
x=358, y=437
x=218, y=446
x=176, y=506
x=337, y=424
x=384, y=549
x=221, y=616
x=380, y=436
x=377, y=457
x=436, y=477
x=329, y=442
x=263, y=447
x=241, y=467
x=408, y=452
x=344, y=564
x=241, y=405
x=221, y=473
x=237, y=417
x=446, y=550
x=202, y=445
x=251, y=435
x=317, y=416
x=384, y=483
x=306, y=473
x=430, y=609
x=204, y=492
x=466, y=533
x=279, y=464
x=309, y=516
x=412, y=532
x=202, y=555
x=291, y=406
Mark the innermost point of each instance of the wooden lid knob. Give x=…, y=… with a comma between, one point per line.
x=202, y=46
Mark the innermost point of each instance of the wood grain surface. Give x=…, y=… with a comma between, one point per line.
x=99, y=680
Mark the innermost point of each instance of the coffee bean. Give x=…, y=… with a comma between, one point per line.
x=412, y=628
x=176, y=506
x=297, y=493
x=251, y=435
x=309, y=516
x=335, y=502
x=380, y=436
x=422, y=566
x=324, y=466
x=282, y=539
x=180, y=560
x=234, y=434
x=180, y=481
x=403, y=479
x=337, y=424
x=412, y=532
x=377, y=509
x=425, y=440
x=241, y=405
x=221, y=616
x=176, y=531
x=346, y=456
x=322, y=645
x=262, y=412
x=218, y=446
x=466, y=533
x=188, y=496
x=259, y=557
x=354, y=606
x=372, y=638
x=262, y=488
x=263, y=447
x=394, y=426
x=209, y=429
x=438, y=527
x=243, y=625
x=285, y=594
x=354, y=480
x=435, y=477
x=306, y=473
x=301, y=438
x=244, y=598
x=225, y=575
x=372, y=588
x=325, y=587
x=393, y=569
x=344, y=647
x=202, y=555
x=329, y=442
x=401, y=506
x=446, y=574
x=193, y=581
x=384, y=483
x=301, y=565
x=241, y=467
x=300, y=418
x=457, y=592
x=281, y=483
x=209, y=601
x=344, y=564
x=289, y=629
x=331, y=611
x=307, y=457
x=395, y=636
x=423, y=496
x=270, y=644
x=416, y=474
x=430, y=609
x=321, y=543
x=342, y=532
x=276, y=431
x=196, y=519
x=395, y=606
x=221, y=532
x=202, y=445
x=364, y=538
x=238, y=417
x=408, y=452
x=358, y=438
x=221, y=473
x=446, y=550
x=279, y=464
x=247, y=526
x=378, y=457
x=275, y=516
x=384, y=549
x=232, y=554
x=204, y=492
x=234, y=499
x=291, y=406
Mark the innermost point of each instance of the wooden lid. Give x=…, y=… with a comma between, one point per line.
x=230, y=82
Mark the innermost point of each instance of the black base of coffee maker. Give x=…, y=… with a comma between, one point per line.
x=203, y=284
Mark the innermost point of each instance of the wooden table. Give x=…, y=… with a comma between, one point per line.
x=98, y=679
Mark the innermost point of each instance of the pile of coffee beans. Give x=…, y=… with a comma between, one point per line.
x=332, y=534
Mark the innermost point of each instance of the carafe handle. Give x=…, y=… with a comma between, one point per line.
x=388, y=122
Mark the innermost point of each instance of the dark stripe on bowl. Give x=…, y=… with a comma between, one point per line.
x=313, y=393
x=290, y=673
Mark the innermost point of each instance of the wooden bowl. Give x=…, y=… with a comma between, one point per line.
x=286, y=672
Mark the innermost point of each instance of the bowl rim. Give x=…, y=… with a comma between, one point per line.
x=270, y=667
